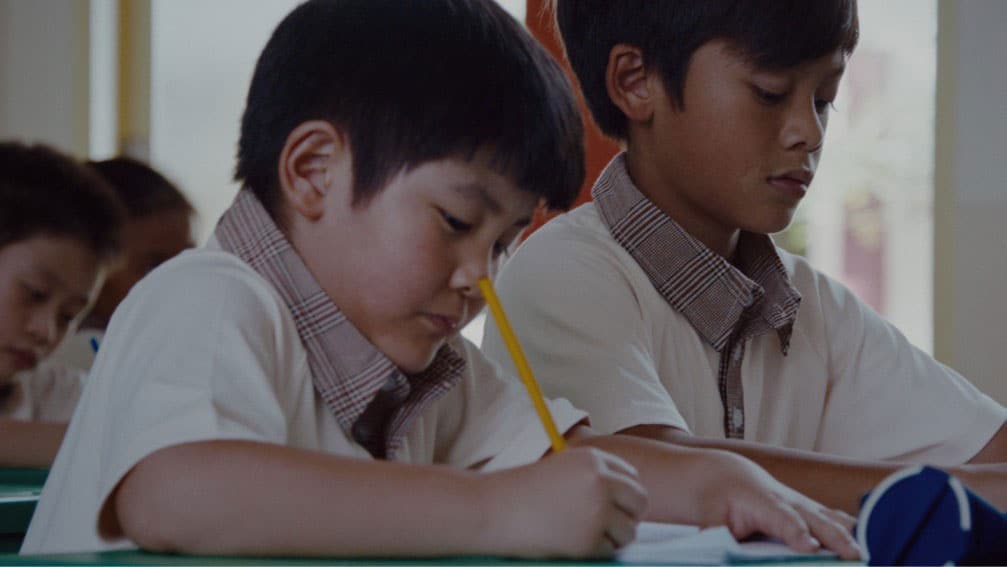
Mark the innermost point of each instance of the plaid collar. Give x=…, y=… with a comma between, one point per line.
x=715, y=296
x=346, y=369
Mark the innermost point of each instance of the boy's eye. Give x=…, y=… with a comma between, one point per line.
x=499, y=249
x=822, y=106
x=454, y=223
x=768, y=97
x=35, y=294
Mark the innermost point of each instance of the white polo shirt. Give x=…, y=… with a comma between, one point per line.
x=78, y=349
x=204, y=349
x=598, y=332
x=48, y=393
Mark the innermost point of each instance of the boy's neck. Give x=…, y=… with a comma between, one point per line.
x=690, y=216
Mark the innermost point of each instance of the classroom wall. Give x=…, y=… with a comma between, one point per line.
x=971, y=192
x=44, y=72
x=198, y=86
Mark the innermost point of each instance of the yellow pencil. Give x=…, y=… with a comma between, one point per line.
x=523, y=370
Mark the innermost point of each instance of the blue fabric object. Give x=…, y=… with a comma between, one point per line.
x=924, y=516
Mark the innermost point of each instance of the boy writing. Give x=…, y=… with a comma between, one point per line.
x=298, y=387
x=59, y=226
x=664, y=308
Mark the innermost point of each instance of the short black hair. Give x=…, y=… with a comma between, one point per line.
x=140, y=188
x=411, y=82
x=44, y=192
x=772, y=34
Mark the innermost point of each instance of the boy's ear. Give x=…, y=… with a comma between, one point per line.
x=628, y=82
x=314, y=161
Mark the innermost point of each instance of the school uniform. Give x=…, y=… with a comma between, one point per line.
x=48, y=393
x=237, y=341
x=78, y=350
x=632, y=319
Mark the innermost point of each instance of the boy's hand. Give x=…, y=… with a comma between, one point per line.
x=751, y=501
x=582, y=502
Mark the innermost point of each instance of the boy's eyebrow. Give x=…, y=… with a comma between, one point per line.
x=478, y=190
x=523, y=222
x=475, y=189
x=48, y=275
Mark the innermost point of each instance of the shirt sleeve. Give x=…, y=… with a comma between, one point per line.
x=189, y=356
x=889, y=400
x=54, y=390
x=584, y=332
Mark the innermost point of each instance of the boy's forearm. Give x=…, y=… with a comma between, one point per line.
x=678, y=490
x=836, y=482
x=29, y=443
x=233, y=497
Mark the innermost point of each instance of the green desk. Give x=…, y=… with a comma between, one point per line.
x=142, y=558
x=116, y=558
x=19, y=492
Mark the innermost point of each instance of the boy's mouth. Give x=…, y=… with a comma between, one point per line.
x=442, y=324
x=23, y=359
x=793, y=183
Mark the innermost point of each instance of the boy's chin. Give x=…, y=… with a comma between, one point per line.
x=770, y=224
x=415, y=360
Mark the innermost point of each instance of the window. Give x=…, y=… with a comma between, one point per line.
x=868, y=219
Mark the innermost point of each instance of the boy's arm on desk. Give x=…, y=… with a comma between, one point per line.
x=837, y=482
x=251, y=498
x=711, y=488
x=995, y=452
x=29, y=443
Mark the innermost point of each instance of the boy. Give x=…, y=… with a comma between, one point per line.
x=298, y=386
x=665, y=310
x=59, y=226
x=158, y=227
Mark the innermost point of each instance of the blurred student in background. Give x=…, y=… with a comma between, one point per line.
x=158, y=226
x=60, y=230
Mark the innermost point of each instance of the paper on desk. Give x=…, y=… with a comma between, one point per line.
x=673, y=544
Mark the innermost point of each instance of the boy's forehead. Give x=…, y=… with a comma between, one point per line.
x=477, y=180
x=61, y=262
x=478, y=191
x=833, y=62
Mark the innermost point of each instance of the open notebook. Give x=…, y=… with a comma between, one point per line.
x=677, y=544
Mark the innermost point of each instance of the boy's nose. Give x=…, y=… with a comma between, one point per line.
x=805, y=129
x=467, y=275
x=44, y=328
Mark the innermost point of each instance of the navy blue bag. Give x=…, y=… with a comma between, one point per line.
x=924, y=516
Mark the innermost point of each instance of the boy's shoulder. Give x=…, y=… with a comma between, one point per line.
x=575, y=240
x=203, y=281
x=207, y=263
x=582, y=222
x=574, y=265
x=815, y=286
x=578, y=245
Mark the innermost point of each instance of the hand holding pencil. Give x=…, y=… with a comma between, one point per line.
x=601, y=498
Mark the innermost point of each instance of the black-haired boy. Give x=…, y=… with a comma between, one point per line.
x=298, y=387
x=665, y=309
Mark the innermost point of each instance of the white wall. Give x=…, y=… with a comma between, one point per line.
x=971, y=198
x=202, y=57
x=44, y=72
